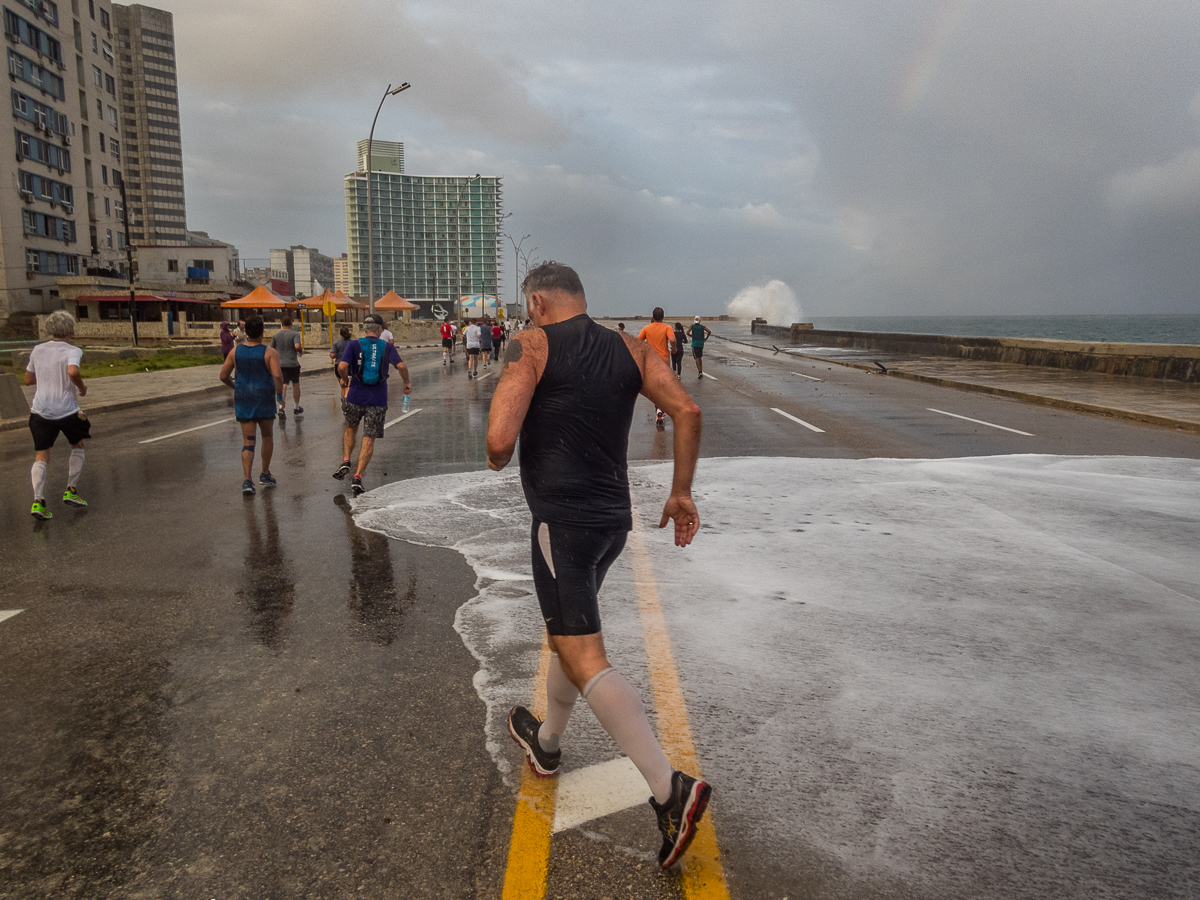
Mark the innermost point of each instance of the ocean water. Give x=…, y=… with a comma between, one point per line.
x=1144, y=329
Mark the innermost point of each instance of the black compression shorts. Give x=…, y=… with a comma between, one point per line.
x=698, y=352
x=568, y=568
x=448, y=343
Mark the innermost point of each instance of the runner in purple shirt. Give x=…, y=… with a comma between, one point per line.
x=365, y=402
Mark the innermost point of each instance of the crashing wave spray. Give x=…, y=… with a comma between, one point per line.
x=773, y=301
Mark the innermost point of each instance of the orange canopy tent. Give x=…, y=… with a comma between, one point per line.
x=340, y=300
x=393, y=301
x=353, y=304
x=259, y=298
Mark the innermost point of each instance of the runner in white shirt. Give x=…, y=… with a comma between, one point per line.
x=472, y=333
x=54, y=368
x=387, y=336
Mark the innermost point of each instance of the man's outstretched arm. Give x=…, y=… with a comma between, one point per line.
x=661, y=388
x=524, y=358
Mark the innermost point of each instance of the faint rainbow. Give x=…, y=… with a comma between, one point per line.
x=915, y=85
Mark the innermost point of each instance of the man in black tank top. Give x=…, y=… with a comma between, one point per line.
x=568, y=390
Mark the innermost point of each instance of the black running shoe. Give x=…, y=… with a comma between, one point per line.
x=356, y=485
x=343, y=470
x=297, y=410
x=679, y=816
x=523, y=726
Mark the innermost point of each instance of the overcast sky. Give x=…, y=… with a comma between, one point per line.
x=880, y=158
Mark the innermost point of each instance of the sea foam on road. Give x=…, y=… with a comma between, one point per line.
x=970, y=676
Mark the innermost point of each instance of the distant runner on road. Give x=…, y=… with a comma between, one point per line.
x=287, y=344
x=700, y=334
x=364, y=371
x=447, y=331
x=257, y=387
x=471, y=337
x=568, y=390
x=659, y=335
x=54, y=367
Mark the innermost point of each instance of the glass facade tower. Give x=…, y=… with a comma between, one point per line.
x=436, y=237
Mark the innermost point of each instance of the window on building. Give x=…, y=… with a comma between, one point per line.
x=107, y=211
x=114, y=147
x=81, y=311
x=120, y=240
x=92, y=8
x=108, y=232
x=97, y=76
x=108, y=51
x=103, y=145
x=100, y=109
x=95, y=43
x=110, y=85
x=104, y=174
x=112, y=115
x=104, y=23
x=172, y=265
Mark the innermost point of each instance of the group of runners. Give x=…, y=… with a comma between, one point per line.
x=257, y=376
x=567, y=391
x=483, y=339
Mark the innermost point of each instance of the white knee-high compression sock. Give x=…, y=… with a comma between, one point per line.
x=38, y=476
x=75, y=467
x=620, y=711
x=560, y=700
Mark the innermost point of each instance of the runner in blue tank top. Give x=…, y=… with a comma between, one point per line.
x=256, y=390
x=568, y=391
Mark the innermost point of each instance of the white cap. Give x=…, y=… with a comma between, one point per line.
x=697, y=318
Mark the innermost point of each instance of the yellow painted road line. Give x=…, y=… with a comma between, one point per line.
x=529, y=847
x=701, y=873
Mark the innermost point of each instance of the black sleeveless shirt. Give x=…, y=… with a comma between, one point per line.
x=575, y=437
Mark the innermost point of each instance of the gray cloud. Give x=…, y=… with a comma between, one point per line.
x=933, y=156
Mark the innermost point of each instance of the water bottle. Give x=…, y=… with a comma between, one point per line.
x=405, y=404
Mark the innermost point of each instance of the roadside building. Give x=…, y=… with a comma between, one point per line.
x=66, y=156
x=341, y=274
x=150, y=124
x=309, y=271
x=436, y=237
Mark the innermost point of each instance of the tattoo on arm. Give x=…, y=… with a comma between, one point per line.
x=512, y=353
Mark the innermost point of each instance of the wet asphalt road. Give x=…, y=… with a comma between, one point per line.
x=213, y=696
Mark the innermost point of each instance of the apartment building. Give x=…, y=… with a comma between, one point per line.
x=341, y=274
x=150, y=122
x=436, y=237
x=309, y=271
x=66, y=157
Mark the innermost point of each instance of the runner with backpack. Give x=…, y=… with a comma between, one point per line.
x=363, y=370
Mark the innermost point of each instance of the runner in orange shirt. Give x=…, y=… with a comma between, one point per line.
x=661, y=338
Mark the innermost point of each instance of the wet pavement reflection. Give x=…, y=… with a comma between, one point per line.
x=373, y=599
x=269, y=593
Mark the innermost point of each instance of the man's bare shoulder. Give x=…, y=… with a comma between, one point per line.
x=527, y=348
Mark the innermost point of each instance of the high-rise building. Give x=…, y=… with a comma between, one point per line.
x=150, y=124
x=66, y=154
x=436, y=237
x=309, y=271
x=341, y=274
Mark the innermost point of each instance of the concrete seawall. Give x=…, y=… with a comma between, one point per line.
x=1175, y=362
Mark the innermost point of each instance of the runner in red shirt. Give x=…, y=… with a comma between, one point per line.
x=447, y=342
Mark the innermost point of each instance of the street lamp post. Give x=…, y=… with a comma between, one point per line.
x=516, y=272
x=370, y=207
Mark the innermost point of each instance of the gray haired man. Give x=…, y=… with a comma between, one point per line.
x=54, y=367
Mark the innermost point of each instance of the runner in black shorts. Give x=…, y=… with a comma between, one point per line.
x=54, y=367
x=568, y=391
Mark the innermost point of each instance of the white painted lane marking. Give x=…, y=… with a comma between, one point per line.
x=809, y=377
x=484, y=375
x=185, y=431
x=801, y=421
x=9, y=613
x=597, y=791
x=978, y=421
x=706, y=375
x=411, y=412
